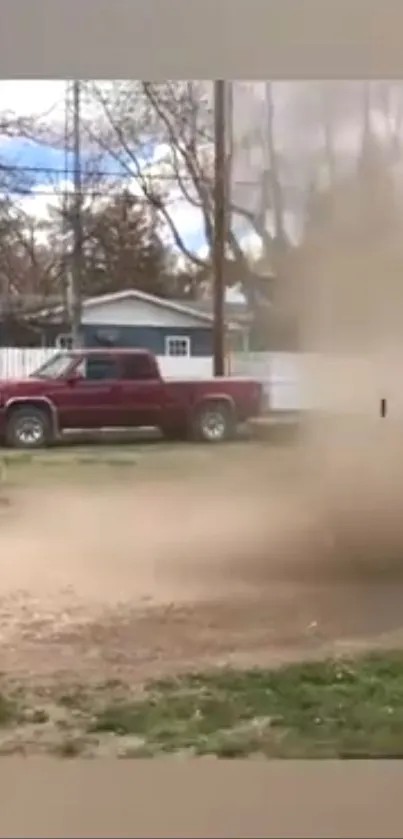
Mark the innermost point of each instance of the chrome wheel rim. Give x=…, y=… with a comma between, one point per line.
x=29, y=432
x=213, y=426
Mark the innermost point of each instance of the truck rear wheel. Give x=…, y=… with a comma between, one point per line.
x=214, y=423
x=28, y=427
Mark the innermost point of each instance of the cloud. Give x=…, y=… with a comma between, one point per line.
x=234, y=295
x=36, y=204
x=33, y=98
x=187, y=219
x=42, y=199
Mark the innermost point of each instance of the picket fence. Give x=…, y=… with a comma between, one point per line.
x=277, y=371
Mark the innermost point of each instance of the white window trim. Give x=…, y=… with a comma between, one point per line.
x=64, y=341
x=183, y=339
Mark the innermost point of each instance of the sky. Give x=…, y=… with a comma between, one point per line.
x=39, y=98
x=294, y=133
x=47, y=99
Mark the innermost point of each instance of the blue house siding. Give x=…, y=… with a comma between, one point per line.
x=149, y=337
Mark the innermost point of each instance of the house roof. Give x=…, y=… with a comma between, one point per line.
x=235, y=312
x=195, y=310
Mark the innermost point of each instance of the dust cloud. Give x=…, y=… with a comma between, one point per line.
x=311, y=534
x=351, y=326
x=209, y=569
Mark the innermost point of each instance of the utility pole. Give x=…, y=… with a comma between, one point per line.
x=77, y=261
x=66, y=276
x=220, y=198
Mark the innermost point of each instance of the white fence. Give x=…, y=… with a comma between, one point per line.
x=280, y=374
x=18, y=362
x=277, y=371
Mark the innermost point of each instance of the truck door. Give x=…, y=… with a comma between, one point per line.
x=94, y=399
x=141, y=391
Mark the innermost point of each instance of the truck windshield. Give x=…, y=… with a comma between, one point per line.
x=55, y=368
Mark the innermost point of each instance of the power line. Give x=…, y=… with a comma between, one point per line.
x=52, y=170
x=87, y=193
x=124, y=174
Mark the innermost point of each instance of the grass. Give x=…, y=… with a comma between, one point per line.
x=69, y=747
x=347, y=708
x=137, y=456
x=328, y=709
x=138, y=461
x=9, y=711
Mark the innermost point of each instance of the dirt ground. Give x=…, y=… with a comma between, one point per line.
x=152, y=571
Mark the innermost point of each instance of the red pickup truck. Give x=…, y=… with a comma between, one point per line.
x=93, y=389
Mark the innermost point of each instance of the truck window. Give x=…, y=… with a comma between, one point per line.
x=100, y=368
x=136, y=368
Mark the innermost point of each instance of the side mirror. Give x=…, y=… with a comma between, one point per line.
x=73, y=377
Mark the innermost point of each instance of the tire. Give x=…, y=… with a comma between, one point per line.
x=28, y=428
x=214, y=423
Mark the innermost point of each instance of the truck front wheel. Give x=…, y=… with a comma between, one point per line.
x=28, y=428
x=214, y=423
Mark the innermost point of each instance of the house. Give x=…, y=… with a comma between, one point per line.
x=135, y=319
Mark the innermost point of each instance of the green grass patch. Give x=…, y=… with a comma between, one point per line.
x=329, y=709
x=9, y=711
x=70, y=747
x=345, y=708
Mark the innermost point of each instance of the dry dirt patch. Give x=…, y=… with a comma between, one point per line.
x=142, y=577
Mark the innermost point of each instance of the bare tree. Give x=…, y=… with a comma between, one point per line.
x=272, y=196
x=176, y=118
